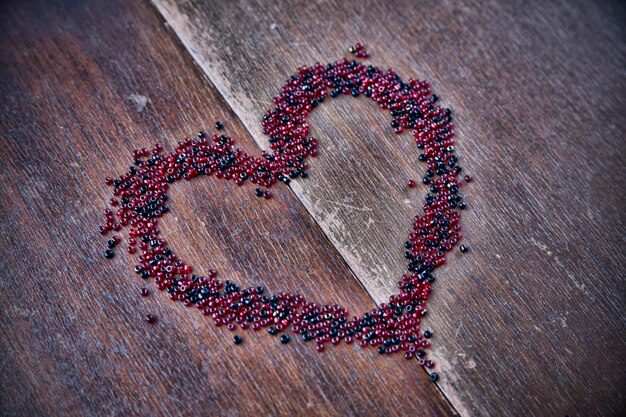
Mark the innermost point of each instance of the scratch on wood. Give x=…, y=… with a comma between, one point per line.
x=140, y=101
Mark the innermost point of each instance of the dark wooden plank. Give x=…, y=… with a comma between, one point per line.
x=82, y=84
x=532, y=322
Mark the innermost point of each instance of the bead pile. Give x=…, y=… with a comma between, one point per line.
x=140, y=198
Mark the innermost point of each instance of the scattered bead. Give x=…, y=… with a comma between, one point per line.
x=411, y=183
x=219, y=125
x=151, y=318
x=284, y=338
x=433, y=377
x=463, y=248
x=359, y=51
x=237, y=339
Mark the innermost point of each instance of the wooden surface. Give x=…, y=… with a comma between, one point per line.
x=73, y=337
x=529, y=322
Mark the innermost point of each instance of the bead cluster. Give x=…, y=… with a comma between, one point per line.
x=140, y=196
x=359, y=51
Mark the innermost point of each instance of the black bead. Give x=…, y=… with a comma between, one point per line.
x=381, y=350
x=272, y=330
x=258, y=192
x=237, y=340
x=433, y=377
x=109, y=253
x=428, y=334
x=464, y=248
x=284, y=338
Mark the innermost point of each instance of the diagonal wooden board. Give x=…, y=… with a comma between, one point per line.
x=530, y=322
x=82, y=84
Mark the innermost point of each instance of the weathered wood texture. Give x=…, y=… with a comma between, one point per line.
x=530, y=322
x=81, y=85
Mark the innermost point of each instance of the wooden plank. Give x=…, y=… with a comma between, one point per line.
x=82, y=84
x=531, y=323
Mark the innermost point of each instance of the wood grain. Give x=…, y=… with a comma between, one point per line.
x=530, y=322
x=82, y=84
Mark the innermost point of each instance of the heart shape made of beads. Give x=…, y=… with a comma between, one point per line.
x=140, y=196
